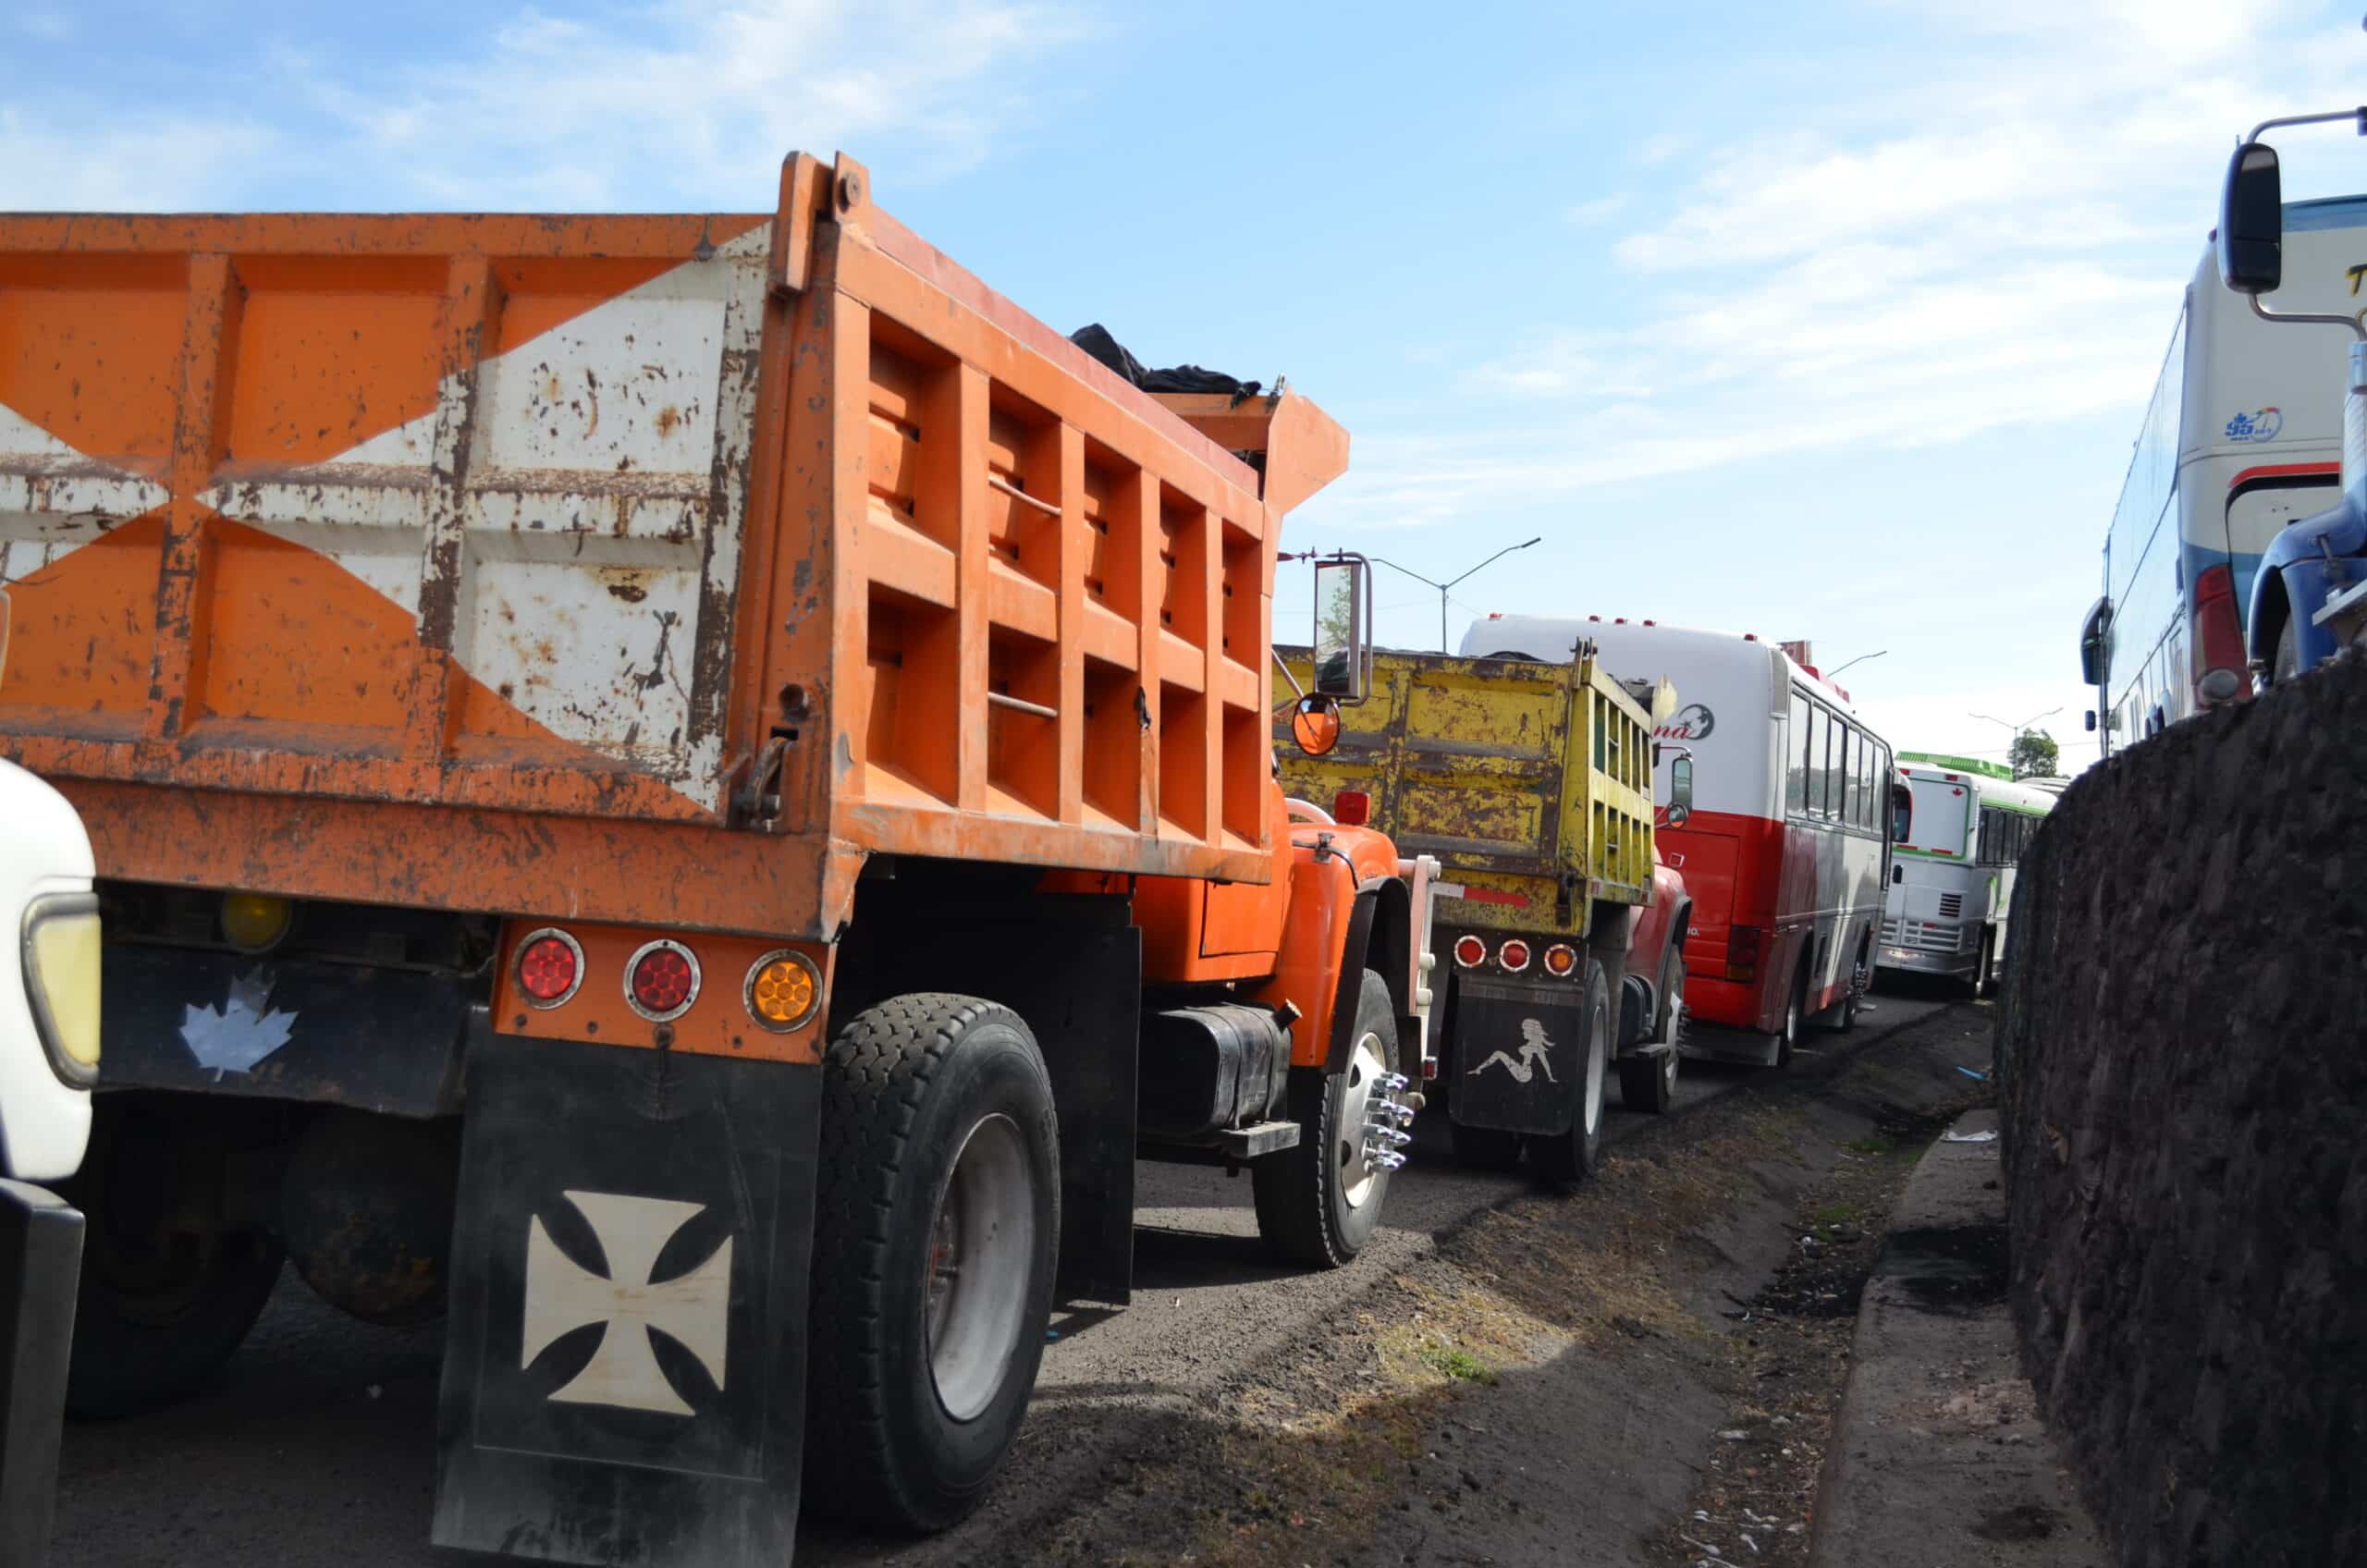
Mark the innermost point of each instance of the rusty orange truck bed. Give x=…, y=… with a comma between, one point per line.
x=708, y=775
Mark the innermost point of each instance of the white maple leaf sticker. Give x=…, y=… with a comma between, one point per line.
x=241, y=1032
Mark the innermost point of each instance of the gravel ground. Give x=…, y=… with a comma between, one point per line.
x=316, y=1446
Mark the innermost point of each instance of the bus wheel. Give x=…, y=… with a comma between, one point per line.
x=1576, y=1153
x=935, y=1231
x=1845, y=1015
x=1795, y=1010
x=1320, y=1203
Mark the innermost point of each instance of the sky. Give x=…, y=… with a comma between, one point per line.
x=1830, y=322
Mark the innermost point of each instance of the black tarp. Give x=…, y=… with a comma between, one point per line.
x=1096, y=341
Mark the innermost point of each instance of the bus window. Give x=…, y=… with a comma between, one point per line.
x=1853, y=787
x=1941, y=818
x=1868, y=778
x=1794, y=770
x=1820, y=737
x=1902, y=814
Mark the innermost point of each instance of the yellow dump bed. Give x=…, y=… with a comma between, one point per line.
x=1531, y=783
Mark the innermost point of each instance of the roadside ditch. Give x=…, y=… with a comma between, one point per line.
x=1641, y=1370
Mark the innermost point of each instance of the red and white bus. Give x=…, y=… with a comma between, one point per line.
x=1787, y=847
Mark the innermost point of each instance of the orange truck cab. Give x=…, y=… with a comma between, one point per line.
x=693, y=790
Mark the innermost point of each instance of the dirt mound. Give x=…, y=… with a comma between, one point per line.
x=2184, y=1087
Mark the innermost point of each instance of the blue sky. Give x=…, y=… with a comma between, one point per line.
x=1830, y=322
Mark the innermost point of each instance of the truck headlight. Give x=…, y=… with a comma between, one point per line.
x=61, y=956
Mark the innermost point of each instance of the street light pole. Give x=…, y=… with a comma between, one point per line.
x=1443, y=587
x=1859, y=659
x=2018, y=729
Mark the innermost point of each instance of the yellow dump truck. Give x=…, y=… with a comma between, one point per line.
x=1531, y=784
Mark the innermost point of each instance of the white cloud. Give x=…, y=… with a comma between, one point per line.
x=125, y=165
x=675, y=105
x=1932, y=256
x=1598, y=209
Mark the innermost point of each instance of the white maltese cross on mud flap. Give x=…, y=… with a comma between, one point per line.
x=691, y=1309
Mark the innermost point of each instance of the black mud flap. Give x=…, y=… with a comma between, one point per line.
x=625, y=1372
x=1516, y=1055
x=40, y=1256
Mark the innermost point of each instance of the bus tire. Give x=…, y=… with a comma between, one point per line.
x=1577, y=1154
x=1485, y=1149
x=940, y=1143
x=1319, y=1202
x=160, y=1308
x=1795, y=1010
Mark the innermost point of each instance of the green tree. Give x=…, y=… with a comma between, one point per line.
x=2035, y=755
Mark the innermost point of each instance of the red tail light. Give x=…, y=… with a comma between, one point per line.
x=1352, y=808
x=550, y=966
x=1514, y=955
x=1743, y=947
x=2218, y=638
x=662, y=981
x=1470, y=951
x=1561, y=960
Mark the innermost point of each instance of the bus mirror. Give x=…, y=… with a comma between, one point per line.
x=2251, y=222
x=1680, y=787
x=2091, y=721
x=2092, y=641
x=1342, y=630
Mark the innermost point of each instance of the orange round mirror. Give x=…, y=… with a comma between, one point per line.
x=1315, y=724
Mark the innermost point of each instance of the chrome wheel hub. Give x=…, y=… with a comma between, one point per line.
x=1373, y=1121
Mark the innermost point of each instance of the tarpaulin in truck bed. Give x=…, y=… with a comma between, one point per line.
x=1096, y=341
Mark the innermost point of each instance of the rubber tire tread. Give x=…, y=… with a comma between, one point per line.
x=122, y=1367
x=1297, y=1216
x=1485, y=1149
x=877, y=1073
x=1573, y=1156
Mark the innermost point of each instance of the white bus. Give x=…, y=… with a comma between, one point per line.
x=1786, y=845
x=1958, y=831
x=2242, y=437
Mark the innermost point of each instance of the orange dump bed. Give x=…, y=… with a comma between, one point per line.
x=640, y=568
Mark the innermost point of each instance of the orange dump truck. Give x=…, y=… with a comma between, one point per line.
x=694, y=788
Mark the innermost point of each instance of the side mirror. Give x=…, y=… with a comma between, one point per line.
x=1680, y=791
x=2091, y=721
x=1315, y=724
x=2251, y=222
x=1342, y=630
x=2091, y=642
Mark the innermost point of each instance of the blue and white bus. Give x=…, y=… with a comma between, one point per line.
x=2243, y=436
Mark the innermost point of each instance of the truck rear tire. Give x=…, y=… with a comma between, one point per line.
x=1319, y=1202
x=935, y=1229
x=161, y=1305
x=1485, y=1149
x=1648, y=1082
x=1577, y=1154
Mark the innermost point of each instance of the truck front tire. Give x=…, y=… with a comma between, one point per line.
x=1648, y=1082
x=1320, y=1203
x=1575, y=1155
x=166, y=1295
x=935, y=1231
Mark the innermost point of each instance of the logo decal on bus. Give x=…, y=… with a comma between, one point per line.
x=1692, y=722
x=2263, y=424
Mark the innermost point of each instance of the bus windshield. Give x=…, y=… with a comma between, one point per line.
x=1937, y=820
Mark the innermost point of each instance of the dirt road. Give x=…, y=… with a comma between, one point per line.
x=317, y=1447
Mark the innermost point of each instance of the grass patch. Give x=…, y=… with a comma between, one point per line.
x=1877, y=1145
x=1459, y=1366
x=1833, y=1214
